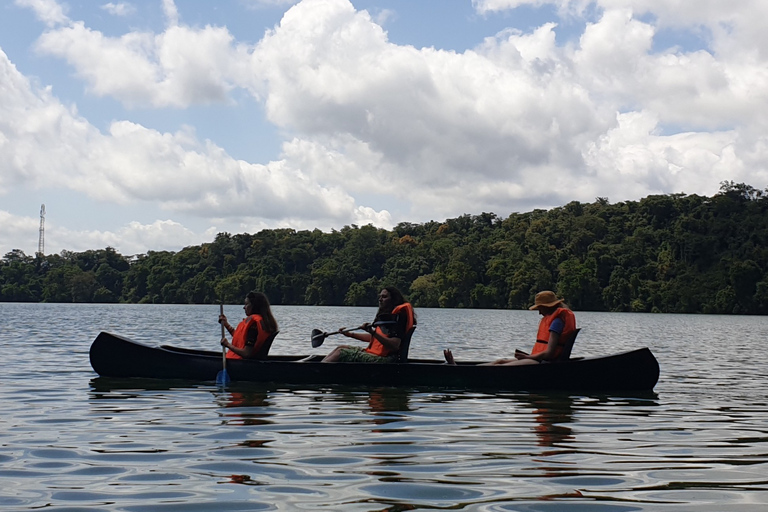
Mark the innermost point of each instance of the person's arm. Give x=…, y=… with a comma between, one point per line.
x=392, y=342
x=547, y=354
x=359, y=336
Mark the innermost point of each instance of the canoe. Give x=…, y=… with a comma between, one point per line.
x=115, y=356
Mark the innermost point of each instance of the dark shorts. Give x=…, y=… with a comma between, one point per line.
x=359, y=355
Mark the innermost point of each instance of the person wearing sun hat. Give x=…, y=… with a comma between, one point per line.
x=545, y=299
x=557, y=323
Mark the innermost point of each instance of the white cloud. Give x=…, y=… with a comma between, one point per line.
x=178, y=68
x=119, y=9
x=36, y=131
x=633, y=153
x=696, y=90
x=44, y=145
x=49, y=12
x=260, y=4
x=133, y=238
x=436, y=120
x=17, y=228
x=379, y=132
x=500, y=125
x=735, y=31
x=383, y=16
x=494, y=120
x=171, y=12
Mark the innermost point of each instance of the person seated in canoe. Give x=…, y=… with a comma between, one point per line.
x=557, y=323
x=252, y=333
x=383, y=340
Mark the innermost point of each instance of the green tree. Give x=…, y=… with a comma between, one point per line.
x=83, y=286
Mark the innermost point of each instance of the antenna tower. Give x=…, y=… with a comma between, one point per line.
x=41, y=240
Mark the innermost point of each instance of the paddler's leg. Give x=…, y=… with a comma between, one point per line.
x=333, y=356
x=519, y=362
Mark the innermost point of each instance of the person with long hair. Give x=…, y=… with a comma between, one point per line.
x=383, y=340
x=557, y=325
x=254, y=334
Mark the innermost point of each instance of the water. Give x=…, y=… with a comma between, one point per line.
x=72, y=441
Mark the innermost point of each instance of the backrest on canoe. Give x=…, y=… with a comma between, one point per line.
x=264, y=350
x=405, y=345
x=568, y=346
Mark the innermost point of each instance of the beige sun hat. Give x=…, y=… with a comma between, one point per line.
x=545, y=299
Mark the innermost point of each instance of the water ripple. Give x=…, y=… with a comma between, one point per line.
x=71, y=441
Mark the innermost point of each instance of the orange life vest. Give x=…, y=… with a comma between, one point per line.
x=406, y=309
x=241, y=335
x=375, y=347
x=542, y=337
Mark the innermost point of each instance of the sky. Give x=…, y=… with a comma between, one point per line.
x=154, y=124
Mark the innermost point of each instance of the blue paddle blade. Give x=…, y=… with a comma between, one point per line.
x=222, y=378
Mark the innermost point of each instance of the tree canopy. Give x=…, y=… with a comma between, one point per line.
x=664, y=253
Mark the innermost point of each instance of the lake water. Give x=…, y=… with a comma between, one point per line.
x=72, y=441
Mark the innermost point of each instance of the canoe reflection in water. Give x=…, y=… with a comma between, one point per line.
x=255, y=404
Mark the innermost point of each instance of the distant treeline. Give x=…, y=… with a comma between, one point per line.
x=672, y=253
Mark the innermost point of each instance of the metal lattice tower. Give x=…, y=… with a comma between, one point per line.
x=41, y=240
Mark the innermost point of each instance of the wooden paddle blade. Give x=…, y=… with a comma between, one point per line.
x=318, y=337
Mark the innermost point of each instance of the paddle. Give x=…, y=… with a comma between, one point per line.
x=318, y=336
x=222, y=378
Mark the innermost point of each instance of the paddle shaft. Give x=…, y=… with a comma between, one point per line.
x=223, y=349
x=360, y=328
x=340, y=331
x=318, y=337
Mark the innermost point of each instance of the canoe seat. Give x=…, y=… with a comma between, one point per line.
x=565, y=355
x=405, y=345
x=264, y=351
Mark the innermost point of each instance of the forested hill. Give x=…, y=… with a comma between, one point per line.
x=665, y=253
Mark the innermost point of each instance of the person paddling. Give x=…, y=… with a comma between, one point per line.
x=251, y=339
x=558, y=323
x=383, y=341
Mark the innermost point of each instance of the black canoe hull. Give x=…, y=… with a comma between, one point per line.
x=115, y=356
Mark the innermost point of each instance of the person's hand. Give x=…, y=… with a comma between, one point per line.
x=223, y=319
x=367, y=327
x=224, y=342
